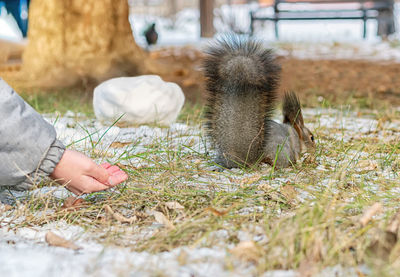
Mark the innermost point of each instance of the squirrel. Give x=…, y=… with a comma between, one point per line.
x=242, y=78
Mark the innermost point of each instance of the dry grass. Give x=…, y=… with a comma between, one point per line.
x=305, y=218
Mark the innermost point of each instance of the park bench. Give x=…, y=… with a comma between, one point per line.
x=382, y=10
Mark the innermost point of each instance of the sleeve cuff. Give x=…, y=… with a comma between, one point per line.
x=46, y=167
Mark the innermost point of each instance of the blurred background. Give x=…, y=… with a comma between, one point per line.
x=340, y=51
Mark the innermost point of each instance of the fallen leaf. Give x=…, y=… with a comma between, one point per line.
x=265, y=187
x=5, y=207
x=307, y=268
x=386, y=241
x=367, y=165
x=369, y=213
x=55, y=240
x=182, y=258
x=289, y=192
x=394, y=224
x=118, y=144
x=162, y=219
x=383, y=245
x=119, y=217
x=250, y=180
x=359, y=273
x=174, y=206
x=216, y=212
x=247, y=251
x=74, y=203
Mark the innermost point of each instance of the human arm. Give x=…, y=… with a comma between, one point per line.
x=30, y=151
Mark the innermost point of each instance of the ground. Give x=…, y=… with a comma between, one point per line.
x=176, y=216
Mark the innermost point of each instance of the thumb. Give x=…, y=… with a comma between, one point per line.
x=117, y=178
x=100, y=174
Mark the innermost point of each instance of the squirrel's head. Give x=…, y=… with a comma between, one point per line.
x=292, y=115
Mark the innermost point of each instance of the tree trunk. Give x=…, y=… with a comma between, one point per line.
x=80, y=40
x=207, y=18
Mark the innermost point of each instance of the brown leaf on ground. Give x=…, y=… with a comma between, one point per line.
x=55, y=240
x=265, y=187
x=119, y=217
x=182, y=258
x=307, y=268
x=162, y=219
x=289, y=192
x=250, y=180
x=5, y=207
x=174, y=206
x=117, y=144
x=247, y=251
x=73, y=203
x=383, y=245
x=369, y=213
x=386, y=241
x=217, y=212
x=367, y=165
x=394, y=224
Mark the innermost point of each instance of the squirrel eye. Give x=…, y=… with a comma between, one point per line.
x=312, y=138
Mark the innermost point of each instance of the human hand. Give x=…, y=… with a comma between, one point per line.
x=83, y=175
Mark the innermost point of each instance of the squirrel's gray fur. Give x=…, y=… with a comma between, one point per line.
x=242, y=79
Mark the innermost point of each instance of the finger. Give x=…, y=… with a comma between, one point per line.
x=99, y=173
x=92, y=185
x=113, y=169
x=117, y=178
x=105, y=165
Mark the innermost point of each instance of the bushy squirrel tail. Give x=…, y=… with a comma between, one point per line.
x=242, y=61
x=241, y=79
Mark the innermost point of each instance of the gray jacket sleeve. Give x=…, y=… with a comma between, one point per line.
x=29, y=149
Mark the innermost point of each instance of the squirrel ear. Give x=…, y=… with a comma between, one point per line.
x=298, y=131
x=291, y=110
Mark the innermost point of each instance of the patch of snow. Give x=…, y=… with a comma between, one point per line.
x=31, y=256
x=281, y=273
